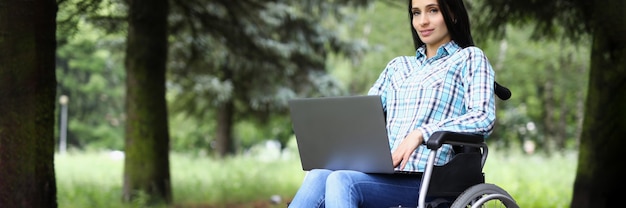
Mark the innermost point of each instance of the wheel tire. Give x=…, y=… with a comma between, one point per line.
x=476, y=192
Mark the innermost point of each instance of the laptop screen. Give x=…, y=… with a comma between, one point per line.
x=342, y=133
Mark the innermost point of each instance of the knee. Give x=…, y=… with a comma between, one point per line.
x=342, y=187
x=341, y=178
x=318, y=174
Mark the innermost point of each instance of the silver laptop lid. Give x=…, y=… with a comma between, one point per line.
x=342, y=133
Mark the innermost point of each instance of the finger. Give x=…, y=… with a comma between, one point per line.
x=405, y=159
x=396, y=158
x=401, y=163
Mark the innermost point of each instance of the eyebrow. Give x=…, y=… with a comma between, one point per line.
x=413, y=8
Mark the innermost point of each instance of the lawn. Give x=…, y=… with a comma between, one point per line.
x=263, y=175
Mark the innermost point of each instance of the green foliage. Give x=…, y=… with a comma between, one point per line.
x=271, y=52
x=90, y=72
x=383, y=30
x=254, y=55
x=189, y=135
x=106, y=14
x=548, y=80
x=571, y=19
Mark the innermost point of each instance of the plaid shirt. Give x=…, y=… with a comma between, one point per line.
x=452, y=91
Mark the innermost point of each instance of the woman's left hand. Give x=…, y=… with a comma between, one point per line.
x=401, y=155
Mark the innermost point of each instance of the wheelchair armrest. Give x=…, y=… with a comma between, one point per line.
x=439, y=138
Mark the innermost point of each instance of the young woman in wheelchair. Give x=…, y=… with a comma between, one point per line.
x=448, y=85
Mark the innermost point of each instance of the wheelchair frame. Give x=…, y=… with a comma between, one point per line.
x=479, y=192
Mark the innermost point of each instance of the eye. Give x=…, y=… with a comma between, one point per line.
x=433, y=10
x=415, y=13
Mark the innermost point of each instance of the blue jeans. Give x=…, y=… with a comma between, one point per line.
x=345, y=189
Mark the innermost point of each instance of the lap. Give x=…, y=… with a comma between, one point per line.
x=374, y=190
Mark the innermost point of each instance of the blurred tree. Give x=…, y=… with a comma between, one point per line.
x=284, y=45
x=146, y=162
x=545, y=77
x=90, y=71
x=27, y=101
x=90, y=53
x=382, y=28
x=146, y=168
x=598, y=179
x=249, y=57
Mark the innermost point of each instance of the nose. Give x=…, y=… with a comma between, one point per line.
x=423, y=20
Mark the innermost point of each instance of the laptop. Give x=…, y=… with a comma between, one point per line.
x=342, y=133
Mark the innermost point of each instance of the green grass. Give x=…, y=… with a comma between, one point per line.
x=94, y=179
x=534, y=180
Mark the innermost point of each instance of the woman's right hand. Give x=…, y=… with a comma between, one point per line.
x=406, y=148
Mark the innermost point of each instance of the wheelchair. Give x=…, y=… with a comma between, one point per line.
x=461, y=181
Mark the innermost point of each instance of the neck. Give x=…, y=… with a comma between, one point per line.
x=430, y=51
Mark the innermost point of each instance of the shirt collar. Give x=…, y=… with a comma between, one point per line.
x=443, y=50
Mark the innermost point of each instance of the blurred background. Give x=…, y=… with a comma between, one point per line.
x=232, y=66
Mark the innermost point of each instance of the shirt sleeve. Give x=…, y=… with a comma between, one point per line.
x=479, y=99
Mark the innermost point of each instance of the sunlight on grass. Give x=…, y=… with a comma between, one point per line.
x=238, y=179
x=88, y=179
x=533, y=180
x=94, y=179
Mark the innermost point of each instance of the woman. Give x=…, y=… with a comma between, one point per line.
x=447, y=86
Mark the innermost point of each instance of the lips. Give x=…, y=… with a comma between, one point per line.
x=425, y=33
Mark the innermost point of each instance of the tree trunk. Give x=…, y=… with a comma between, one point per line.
x=146, y=166
x=27, y=101
x=561, y=129
x=580, y=109
x=224, y=144
x=549, y=130
x=599, y=177
x=561, y=120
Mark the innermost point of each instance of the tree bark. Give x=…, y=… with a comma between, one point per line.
x=224, y=142
x=146, y=165
x=547, y=94
x=599, y=179
x=27, y=102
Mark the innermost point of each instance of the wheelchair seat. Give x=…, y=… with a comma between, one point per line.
x=460, y=173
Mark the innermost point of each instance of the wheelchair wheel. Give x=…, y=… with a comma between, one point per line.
x=484, y=195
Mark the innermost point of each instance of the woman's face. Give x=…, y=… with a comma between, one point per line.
x=429, y=24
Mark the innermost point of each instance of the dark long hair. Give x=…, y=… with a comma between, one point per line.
x=459, y=30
